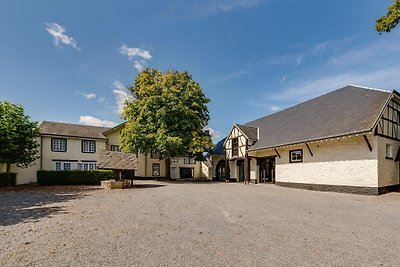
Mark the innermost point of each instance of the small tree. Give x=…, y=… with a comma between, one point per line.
x=168, y=114
x=18, y=144
x=387, y=22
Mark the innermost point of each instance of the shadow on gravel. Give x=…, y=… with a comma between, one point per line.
x=147, y=186
x=31, y=205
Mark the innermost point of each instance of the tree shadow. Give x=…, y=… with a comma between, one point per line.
x=138, y=186
x=32, y=204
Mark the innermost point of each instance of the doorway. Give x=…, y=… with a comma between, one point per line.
x=266, y=170
x=220, y=170
x=240, y=164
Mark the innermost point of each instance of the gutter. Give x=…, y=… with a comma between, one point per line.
x=311, y=140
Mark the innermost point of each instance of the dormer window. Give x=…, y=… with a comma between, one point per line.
x=235, y=147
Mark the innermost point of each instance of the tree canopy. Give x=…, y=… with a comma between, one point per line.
x=389, y=21
x=18, y=144
x=168, y=114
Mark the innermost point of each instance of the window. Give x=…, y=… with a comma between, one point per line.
x=114, y=148
x=62, y=166
x=88, y=146
x=87, y=166
x=154, y=154
x=174, y=160
x=389, y=151
x=235, y=147
x=156, y=169
x=189, y=160
x=296, y=155
x=58, y=144
x=67, y=166
x=58, y=166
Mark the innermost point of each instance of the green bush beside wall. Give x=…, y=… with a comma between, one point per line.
x=73, y=177
x=3, y=179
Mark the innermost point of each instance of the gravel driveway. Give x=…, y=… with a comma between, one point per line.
x=213, y=224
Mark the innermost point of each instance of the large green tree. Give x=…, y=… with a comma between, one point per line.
x=18, y=137
x=387, y=22
x=168, y=114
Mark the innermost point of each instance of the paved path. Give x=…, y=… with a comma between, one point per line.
x=213, y=224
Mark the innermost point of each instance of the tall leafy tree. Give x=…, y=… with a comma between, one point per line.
x=389, y=21
x=18, y=137
x=168, y=114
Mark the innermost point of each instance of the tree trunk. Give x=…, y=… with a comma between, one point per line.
x=8, y=174
x=167, y=163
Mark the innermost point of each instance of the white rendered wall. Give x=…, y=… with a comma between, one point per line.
x=343, y=161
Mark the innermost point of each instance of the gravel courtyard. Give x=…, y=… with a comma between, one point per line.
x=210, y=224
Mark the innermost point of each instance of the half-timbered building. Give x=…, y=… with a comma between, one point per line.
x=347, y=140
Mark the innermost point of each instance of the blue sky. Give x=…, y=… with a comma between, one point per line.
x=70, y=60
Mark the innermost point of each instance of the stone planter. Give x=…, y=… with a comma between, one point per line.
x=111, y=184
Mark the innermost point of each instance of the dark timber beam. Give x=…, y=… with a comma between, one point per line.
x=368, y=143
x=309, y=150
x=246, y=170
x=277, y=153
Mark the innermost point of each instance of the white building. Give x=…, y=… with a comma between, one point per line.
x=65, y=146
x=346, y=140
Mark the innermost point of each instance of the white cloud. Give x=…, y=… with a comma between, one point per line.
x=137, y=55
x=383, y=78
x=101, y=99
x=215, y=135
x=274, y=108
x=134, y=52
x=139, y=65
x=121, y=94
x=59, y=36
x=90, y=95
x=228, y=5
x=89, y=120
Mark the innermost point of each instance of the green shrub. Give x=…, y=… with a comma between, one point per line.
x=73, y=177
x=3, y=179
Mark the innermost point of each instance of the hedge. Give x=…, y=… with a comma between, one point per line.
x=3, y=179
x=73, y=177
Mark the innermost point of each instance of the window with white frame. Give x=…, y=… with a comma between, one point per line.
x=67, y=166
x=174, y=160
x=389, y=151
x=296, y=155
x=58, y=166
x=62, y=165
x=88, y=146
x=189, y=160
x=87, y=166
x=58, y=144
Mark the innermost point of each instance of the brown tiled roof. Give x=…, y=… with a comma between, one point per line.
x=72, y=130
x=113, y=160
x=348, y=110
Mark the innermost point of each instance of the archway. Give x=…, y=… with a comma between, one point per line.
x=220, y=170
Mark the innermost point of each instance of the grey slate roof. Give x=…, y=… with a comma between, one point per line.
x=344, y=111
x=219, y=148
x=113, y=160
x=72, y=130
x=249, y=131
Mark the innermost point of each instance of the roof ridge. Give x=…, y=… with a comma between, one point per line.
x=369, y=88
x=77, y=124
x=301, y=103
